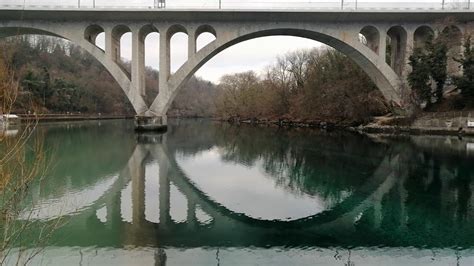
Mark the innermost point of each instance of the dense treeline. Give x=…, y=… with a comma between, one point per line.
x=430, y=71
x=56, y=76
x=317, y=85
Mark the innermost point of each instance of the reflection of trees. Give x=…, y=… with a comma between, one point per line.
x=82, y=152
x=430, y=205
x=303, y=161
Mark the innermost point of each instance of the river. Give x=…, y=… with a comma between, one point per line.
x=208, y=193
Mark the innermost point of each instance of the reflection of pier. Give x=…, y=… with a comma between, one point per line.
x=222, y=227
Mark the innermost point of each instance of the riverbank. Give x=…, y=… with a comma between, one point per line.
x=433, y=123
x=65, y=118
x=437, y=123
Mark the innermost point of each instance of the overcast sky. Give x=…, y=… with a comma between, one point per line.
x=250, y=55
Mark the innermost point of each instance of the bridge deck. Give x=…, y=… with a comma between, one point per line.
x=183, y=15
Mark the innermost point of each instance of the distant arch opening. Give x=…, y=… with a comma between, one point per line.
x=422, y=35
x=151, y=38
x=122, y=46
x=204, y=35
x=453, y=38
x=396, y=47
x=370, y=36
x=95, y=34
x=178, y=50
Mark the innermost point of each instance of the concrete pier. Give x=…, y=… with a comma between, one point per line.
x=150, y=123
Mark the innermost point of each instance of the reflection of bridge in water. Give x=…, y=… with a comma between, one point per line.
x=225, y=228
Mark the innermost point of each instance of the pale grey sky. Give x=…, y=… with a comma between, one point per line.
x=254, y=55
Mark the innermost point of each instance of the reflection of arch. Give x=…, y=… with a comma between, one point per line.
x=396, y=46
x=422, y=35
x=384, y=78
x=82, y=41
x=371, y=38
x=226, y=227
x=380, y=183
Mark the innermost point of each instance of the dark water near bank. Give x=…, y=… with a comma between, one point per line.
x=216, y=194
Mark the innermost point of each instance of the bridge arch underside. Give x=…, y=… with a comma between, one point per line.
x=114, y=69
x=386, y=80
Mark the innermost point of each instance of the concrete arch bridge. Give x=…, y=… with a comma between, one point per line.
x=364, y=36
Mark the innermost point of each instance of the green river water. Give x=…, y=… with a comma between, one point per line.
x=209, y=193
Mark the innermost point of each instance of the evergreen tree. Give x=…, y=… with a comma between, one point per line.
x=465, y=83
x=419, y=77
x=438, y=63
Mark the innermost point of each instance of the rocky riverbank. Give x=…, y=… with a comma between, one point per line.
x=445, y=123
x=436, y=123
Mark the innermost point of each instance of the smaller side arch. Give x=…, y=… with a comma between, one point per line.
x=175, y=29
x=370, y=36
x=422, y=35
x=206, y=28
x=204, y=35
x=146, y=30
x=176, y=60
x=453, y=37
x=117, y=33
x=396, y=48
x=91, y=33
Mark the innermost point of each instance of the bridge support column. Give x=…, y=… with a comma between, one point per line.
x=155, y=119
x=191, y=43
x=138, y=63
x=410, y=44
x=112, y=46
x=383, y=46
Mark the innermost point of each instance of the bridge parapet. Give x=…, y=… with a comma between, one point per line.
x=347, y=5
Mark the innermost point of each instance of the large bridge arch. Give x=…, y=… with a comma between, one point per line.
x=79, y=38
x=374, y=65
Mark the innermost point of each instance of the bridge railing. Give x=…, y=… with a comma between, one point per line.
x=347, y=5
